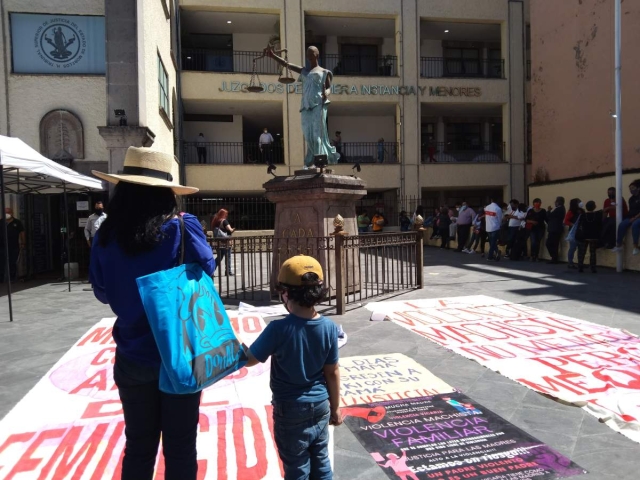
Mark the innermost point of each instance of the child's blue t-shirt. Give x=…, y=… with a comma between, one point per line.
x=299, y=349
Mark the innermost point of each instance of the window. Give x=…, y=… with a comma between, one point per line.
x=359, y=59
x=462, y=62
x=463, y=136
x=163, y=80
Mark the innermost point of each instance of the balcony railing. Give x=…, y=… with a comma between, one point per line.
x=232, y=153
x=369, y=152
x=438, y=67
x=202, y=60
x=361, y=65
x=463, y=152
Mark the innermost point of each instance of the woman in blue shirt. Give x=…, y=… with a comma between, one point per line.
x=142, y=235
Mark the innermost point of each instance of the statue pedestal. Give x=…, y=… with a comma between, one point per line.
x=306, y=205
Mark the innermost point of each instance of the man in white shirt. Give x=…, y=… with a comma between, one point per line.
x=266, y=141
x=516, y=218
x=493, y=221
x=93, y=222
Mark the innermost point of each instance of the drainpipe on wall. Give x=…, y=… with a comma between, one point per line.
x=180, y=126
x=6, y=66
x=401, y=66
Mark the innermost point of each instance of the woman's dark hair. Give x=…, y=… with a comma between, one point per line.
x=537, y=200
x=136, y=214
x=590, y=206
x=306, y=296
x=444, y=210
x=420, y=210
x=574, y=205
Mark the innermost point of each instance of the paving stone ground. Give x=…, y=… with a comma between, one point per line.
x=48, y=320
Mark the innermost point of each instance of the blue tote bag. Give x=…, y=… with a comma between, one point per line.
x=190, y=325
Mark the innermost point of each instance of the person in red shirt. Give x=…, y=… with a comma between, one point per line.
x=609, y=223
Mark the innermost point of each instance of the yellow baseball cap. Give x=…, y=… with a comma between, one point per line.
x=292, y=270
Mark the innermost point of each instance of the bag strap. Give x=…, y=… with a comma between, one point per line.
x=181, y=256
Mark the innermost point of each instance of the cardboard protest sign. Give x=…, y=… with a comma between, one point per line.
x=393, y=376
x=451, y=437
x=70, y=425
x=593, y=366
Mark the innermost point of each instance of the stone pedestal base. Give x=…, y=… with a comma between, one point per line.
x=306, y=205
x=119, y=139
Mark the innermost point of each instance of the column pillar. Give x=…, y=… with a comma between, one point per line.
x=119, y=139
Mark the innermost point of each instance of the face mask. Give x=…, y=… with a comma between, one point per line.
x=99, y=211
x=612, y=196
x=8, y=216
x=633, y=191
x=537, y=205
x=581, y=205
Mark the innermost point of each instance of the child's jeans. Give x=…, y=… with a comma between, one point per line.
x=301, y=432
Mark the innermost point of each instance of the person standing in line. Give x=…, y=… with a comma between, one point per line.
x=435, y=224
x=266, y=144
x=405, y=221
x=609, y=223
x=16, y=241
x=222, y=231
x=363, y=222
x=143, y=235
x=632, y=220
x=378, y=221
x=535, y=224
x=588, y=234
x=305, y=375
x=515, y=217
x=337, y=142
x=479, y=235
x=201, y=147
x=555, y=223
x=465, y=220
x=572, y=216
x=444, y=222
x=493, y=219
x=419, y=212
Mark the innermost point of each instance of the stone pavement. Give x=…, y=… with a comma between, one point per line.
x=48, y=320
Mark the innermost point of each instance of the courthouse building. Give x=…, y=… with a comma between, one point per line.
x=430, y=97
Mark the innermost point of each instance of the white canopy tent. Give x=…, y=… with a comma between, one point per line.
x=25, y=171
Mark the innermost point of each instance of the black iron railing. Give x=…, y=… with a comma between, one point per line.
x=438, y=67
x=369, y=152
x=528, y=69
x=234, y=153
x=203, y=60
x=463, y=152
x=361, y=65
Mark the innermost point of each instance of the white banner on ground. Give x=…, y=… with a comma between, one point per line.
x=378, y=378
x=593, y=366
x=70, y=425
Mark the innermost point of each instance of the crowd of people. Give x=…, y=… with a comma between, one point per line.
x=520, y=228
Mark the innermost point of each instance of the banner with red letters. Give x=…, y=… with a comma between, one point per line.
x=70, y=425
x=593, y=366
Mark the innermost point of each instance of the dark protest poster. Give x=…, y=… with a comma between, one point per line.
x=451, y=437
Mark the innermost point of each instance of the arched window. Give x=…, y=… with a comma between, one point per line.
x=61, y=136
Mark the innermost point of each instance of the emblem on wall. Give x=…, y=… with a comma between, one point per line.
x=60, y=42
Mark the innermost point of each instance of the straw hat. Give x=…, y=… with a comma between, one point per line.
x=144, y=166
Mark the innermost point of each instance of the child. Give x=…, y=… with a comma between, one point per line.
x=588, y=232
x=305, y=378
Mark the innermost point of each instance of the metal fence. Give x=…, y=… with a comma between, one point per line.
x=361, y=65
x=369, y=152
x=232, y=153
x=463, y=152
x=245, y=213
x=356, y=268
x=204, y=60
x=438, y=67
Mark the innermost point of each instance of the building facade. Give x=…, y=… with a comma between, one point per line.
x=429, y=97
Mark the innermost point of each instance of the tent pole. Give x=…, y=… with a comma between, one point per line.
x=66, y=220
x=6, y=245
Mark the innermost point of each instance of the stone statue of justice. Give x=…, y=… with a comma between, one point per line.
x=316, y=87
